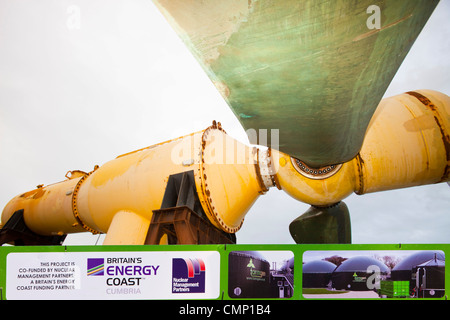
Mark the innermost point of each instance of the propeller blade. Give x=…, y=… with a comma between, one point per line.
x=314, y=69
x=323, y=225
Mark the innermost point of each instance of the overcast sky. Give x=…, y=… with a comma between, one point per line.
x=82, y=82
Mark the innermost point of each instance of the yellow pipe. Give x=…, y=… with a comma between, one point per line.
x=118, y=198
x=128, y=228
x=407, y=144
x=47, y=208
x=318, y=192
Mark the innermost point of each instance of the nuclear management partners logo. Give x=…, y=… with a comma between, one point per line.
x=188, y=275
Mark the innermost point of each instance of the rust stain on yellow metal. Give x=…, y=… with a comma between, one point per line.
x=403, y=146
x=229, y=180
x=442, y=122
x=406, y=145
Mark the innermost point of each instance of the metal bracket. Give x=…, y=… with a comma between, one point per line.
x=16, y=231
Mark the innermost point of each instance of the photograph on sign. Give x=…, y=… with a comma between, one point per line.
x=261, y=274
x=373, y=274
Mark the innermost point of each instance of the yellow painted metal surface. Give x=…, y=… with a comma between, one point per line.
x=319, y=192
x=407, y=144
x=230, y=184
x=127, y=228
x=118, y=198
x=47, y=210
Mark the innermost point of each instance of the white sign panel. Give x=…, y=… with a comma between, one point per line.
x=113, y=275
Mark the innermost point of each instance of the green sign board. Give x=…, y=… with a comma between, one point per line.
x=204, y=272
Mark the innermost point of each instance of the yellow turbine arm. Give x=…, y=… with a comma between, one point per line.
x=119, y=197
x=127, y=227
x=407, y=144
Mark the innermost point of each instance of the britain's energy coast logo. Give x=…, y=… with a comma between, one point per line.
x=121, y=275
x=96, y=267
x=188, y=275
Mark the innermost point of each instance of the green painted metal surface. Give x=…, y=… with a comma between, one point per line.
x=314, y=69
x=323, y=225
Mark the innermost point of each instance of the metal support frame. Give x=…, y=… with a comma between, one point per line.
x=182, y=218
x=183, y=226
x=16, y=232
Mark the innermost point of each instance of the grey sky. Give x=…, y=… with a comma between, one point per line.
x=76, y=93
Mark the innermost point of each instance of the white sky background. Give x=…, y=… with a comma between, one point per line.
x=71, y=98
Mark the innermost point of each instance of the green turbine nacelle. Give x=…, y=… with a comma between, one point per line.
x=314, y=69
